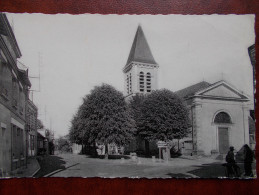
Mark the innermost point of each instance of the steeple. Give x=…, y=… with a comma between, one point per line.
x=140, y=72
x=140, y=51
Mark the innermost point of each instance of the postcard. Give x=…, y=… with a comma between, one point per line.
x=136, y=96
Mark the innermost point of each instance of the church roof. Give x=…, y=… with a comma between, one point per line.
x=220, y=89
x=140, y=51
x=191, y=90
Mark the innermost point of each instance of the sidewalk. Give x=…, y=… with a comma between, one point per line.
x=32, y=168
x=48, y=164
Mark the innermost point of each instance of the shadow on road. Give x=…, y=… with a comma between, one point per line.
x=49, y=164
x=214, y=170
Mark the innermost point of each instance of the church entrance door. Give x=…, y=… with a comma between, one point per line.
x=223, y=140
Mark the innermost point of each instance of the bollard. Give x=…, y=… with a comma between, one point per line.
x=153, y=159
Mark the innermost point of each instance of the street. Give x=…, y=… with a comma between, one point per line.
x=73, y=165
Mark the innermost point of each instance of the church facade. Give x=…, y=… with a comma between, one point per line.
x=219, y=115
x=219, y=112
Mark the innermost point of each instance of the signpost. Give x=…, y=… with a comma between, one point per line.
x=163, y=146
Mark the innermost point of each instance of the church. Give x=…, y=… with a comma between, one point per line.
x=219, y=112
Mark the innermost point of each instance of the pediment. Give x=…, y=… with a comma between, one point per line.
x=222, y=90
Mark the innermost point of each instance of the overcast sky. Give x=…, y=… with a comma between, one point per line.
x=81, y=51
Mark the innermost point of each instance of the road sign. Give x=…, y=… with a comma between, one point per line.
x=162, y=144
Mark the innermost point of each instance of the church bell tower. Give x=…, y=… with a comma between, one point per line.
x=140, y=71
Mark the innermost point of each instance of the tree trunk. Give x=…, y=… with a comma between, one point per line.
x=94, y=150
x=147, y=148
x=106, y=151
x=82, y=150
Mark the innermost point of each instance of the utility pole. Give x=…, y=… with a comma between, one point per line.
x=37, y=77
x=45, y=113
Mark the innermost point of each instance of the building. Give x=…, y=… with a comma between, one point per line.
x=31, y=128
x=45, y=141
x=140, y=71
x=219, y=112
x=219, y=116
x=251, y=52
x=42, y=142
x=76, y=148
x=140, y=77
x=14, y=87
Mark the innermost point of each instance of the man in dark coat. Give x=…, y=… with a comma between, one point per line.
x=248, y=160
x=231, y=163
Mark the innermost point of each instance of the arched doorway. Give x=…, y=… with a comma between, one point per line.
x=223, y=120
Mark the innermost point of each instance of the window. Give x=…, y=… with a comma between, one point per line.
x=32, y=142
x=17, y=131
x=21, y=100
x=14, y=103
x=141, y=82
x=21, y=145
x=15, y=93
x=148, y=80
x=128, y=84
x=222, y=117
x=3, y=80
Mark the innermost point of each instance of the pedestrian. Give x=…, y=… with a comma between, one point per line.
x=248, y=160
x=231, y=163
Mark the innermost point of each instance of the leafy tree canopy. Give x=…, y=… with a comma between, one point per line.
x=164, y=116
x=104, y=118
x=76, y=131
x=63, y=144
x=135, y=104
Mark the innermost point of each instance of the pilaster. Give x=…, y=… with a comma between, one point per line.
x=197, y=137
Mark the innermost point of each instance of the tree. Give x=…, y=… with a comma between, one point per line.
x=75, y=132
x=63, y=144
x=135, y=107
x=103, y=118
x=164, y=117
x=136, y=111
x=39, y=124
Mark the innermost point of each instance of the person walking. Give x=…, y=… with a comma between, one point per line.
x=231, y=163
x=248, y=160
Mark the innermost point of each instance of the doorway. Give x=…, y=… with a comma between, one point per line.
x=223, y=140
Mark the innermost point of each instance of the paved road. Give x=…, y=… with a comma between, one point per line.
x=82, y=166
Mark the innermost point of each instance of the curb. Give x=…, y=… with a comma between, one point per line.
x=59, y=170
x=34, y=173
x=53, y=172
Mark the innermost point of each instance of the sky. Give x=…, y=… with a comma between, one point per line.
x=74, y=53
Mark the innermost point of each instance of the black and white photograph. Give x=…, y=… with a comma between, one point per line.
x=127, y=96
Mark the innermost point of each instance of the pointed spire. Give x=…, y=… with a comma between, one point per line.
x=140, y=51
